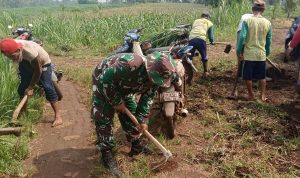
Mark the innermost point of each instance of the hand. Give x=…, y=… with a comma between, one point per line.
x=212, y=43
x=120, y=108
x=241, y=57
x=29, y=91
x=288, y=53
x=142, y=127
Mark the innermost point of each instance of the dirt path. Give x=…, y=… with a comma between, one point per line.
x=65, y=151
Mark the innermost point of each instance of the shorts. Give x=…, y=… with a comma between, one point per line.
x=25, y=74
x=254, y=70
x=200, y=45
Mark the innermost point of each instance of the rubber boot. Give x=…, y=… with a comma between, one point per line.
x=205, y=69
x=110, y=163
x=137, y=147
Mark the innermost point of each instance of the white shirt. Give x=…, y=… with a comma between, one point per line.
x=31, y=50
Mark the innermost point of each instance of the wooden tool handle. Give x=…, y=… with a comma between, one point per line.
x=137, y=48
x=11, y=130
x=236, y=78
x=166, y=152
x=273, y=65
x=18, y=109
x=226, y=43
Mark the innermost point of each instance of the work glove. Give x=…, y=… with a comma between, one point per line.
x=212, y=43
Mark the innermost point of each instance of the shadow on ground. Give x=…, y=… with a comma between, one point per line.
x=60, y=163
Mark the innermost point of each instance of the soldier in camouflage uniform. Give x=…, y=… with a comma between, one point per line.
x=115, y=81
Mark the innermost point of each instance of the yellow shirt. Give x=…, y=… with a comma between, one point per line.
x=200, y=28
x=258, y=33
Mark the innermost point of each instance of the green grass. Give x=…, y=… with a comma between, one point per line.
x=99, y=30
x=13, y=150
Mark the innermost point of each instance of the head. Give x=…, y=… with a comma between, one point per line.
x=258, y=6
x=11, y=49
x=160, y=68
x=205, y=15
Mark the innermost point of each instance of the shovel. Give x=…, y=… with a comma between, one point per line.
x=227, y=47
x=18, y=109
x=166, y=152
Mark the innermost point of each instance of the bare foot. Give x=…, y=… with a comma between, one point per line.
x=233, y=96
x=205, y=75
x=264, y=99
x=58, y=121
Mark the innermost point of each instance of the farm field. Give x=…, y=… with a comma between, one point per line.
x=219, y=138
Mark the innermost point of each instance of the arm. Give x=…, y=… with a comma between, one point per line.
x=242, y=39
x=296, y=39
x=108, y=88
x=37, y=72
x=144, y=105
x=268, y=42
x=211, y=34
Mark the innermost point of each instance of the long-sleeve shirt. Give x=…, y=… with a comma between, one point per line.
x=296, y=39
x=201, y=28
x=243, y=18
x=122, y=75
x=255, y=39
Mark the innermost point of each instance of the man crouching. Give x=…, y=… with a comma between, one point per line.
x=34, y=67
x=115, y=81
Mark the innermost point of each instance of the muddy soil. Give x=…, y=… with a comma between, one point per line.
x=66, y=150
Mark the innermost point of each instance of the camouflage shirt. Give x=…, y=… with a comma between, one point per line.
x=121, y=75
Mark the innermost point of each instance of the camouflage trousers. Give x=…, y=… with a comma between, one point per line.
x=103, y=114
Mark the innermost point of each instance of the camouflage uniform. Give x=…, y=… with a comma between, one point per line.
x=115, y=80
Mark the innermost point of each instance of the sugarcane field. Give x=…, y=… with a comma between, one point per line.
x=149, y=88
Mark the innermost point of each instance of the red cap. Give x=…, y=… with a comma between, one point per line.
x=8, y=46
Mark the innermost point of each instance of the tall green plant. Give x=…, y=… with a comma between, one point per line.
x=226, y=17
x=13, y=150
x=8, y=84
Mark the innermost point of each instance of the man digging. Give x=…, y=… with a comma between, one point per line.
x=201, y=28
x=34, y=67
x=294, y=53
x=254, y=46
x=115, y=81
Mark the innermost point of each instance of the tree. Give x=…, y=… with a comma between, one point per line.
x=275, y=7
x=289, y=7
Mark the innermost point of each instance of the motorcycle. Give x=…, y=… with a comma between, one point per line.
x=26, y=34
x=170, y=100
x=23, y=33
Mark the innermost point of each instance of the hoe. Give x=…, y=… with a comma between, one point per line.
x=14, y=130
x=165, y=152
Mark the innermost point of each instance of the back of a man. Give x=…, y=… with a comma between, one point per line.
x=31, y=50
x=200, y=28
x=253, y=47
x=255, y=44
